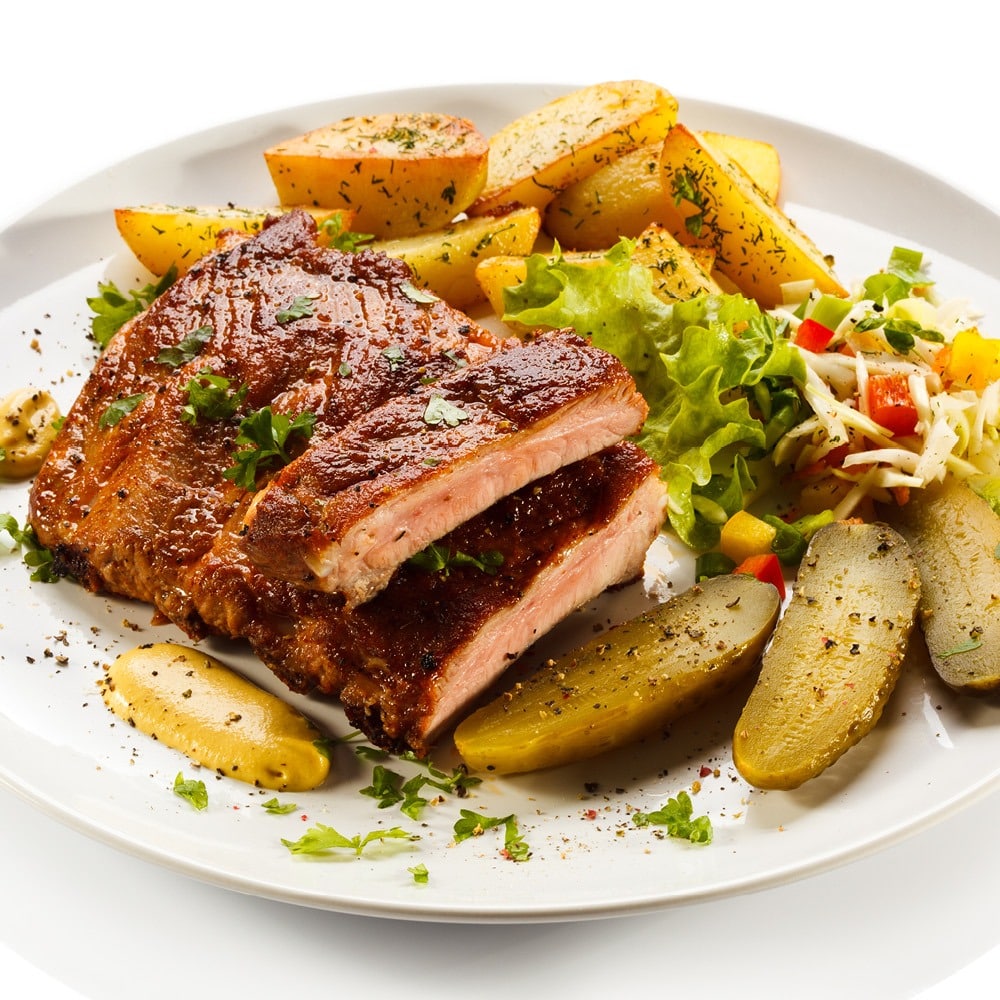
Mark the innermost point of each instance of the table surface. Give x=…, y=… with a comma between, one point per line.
x=97, y=82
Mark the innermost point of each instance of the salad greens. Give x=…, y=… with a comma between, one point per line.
x=720, y=376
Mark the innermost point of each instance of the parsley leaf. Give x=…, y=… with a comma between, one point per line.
x=336, y=236
x=300, y=308
x=440, y=411
x=209, y=397
x=415, y=294
x=321, y=838
x=34, y=555
x=191, y=790
x=389, y=787
x=120, y=408
x=475, y=825
x=675, y=815
x=420, y=873
x=276, y=808
x=440, y=559
x=395, y=356
x=113, y=309
x=266, y=435
x=187, y=349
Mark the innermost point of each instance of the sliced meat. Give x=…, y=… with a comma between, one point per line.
x=344, y=515
x=132, y=508
x=142, y=506
x=406, y=663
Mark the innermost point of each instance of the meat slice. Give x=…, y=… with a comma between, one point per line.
x=405, y=664
x=140, y=505
x=132, y=507
x=345, y=514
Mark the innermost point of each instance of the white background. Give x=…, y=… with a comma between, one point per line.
x=84, y=85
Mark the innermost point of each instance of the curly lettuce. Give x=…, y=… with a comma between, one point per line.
x=720, y=376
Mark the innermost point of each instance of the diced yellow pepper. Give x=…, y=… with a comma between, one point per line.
x=973, y=360
x=745, y=535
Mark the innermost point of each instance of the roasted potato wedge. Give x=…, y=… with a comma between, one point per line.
x=678, y=272
x=445, y=261
x=537, y=155
x=714, y=203
x=162, y=236
x=627, y=194
x=758, y=158
x=401, y=174
x=955, y=537
x=834, y=658
x=630, y=681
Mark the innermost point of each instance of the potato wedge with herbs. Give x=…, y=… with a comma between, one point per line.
x=714, y=203
x=955, y=537
x=678, y=272
x=834, y=658
x=162, y=236
x=627, y=194
x=630, y=681
x=401, y=174
x=535, y=156
x=445, y=261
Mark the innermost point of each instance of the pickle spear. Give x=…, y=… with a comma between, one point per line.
x=835, y=656
x=631, y=680
x=955, y=537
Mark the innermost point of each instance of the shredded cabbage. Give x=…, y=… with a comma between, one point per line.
x=735, y=405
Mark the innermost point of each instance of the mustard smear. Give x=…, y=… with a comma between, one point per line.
x=195, y=704
x=28, y=421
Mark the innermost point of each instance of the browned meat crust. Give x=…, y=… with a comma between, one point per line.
x=355, y=505
x=142, y=508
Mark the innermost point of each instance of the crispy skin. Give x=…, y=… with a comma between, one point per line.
x=142, y=508
x=354, y=506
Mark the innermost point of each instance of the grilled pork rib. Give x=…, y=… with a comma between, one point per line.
x=141, y=507
x=344, y=515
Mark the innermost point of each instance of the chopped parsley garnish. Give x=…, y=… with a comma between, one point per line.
x=120, y=408
x=440, y=559
x=276, y=808
x=321, y=839
x=440, y=411
x=676, y=817
x=112, y=308
x=965, y=647
x=302, y=306
x=34, y=555
x=684, y=186
x=187, y=349
x=415, y=294
x=395, y=356
x=191, y=790
x=390, y=788
x=475, y=825
x=332, y=230
x=210, y=398
x=265, y=436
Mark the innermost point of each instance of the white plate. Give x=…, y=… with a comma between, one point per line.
x=62, y=750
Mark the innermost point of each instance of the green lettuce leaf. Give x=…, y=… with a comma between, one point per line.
x=720, y=376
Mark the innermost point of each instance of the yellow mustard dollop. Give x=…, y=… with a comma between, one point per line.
x=29, y=420
x=193, y=703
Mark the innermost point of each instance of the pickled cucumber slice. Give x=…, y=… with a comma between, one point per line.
x=955, y=537
x=627, y=682
x=835, y=656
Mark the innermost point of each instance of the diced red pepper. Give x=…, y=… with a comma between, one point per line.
x=891, y=404
x=813, y=336
x=766, y=568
